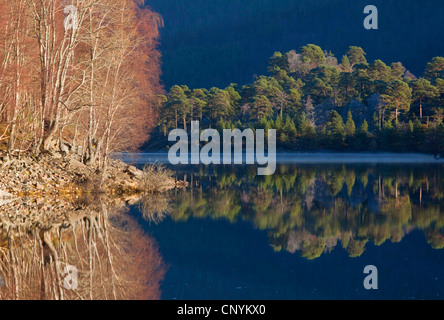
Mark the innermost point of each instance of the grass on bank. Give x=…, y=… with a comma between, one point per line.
x=156, y=177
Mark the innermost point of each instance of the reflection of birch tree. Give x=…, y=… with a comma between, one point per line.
x=113, y=257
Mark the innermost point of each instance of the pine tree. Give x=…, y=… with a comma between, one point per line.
x=397, y=71
x=278, y=62
x=422, y=90
x=335, y=130
x=350, y=127
x=398, y=97
x=345, y=64
x=379, y=71
x=364, y=128
x=290, y=130
x=313, y=55
x=435, y=69
x=356, y=55
x=261, y=108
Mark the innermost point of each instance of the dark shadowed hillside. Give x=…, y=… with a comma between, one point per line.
x=209, y=43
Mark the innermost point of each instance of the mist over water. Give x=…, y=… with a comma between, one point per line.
x=308, y=158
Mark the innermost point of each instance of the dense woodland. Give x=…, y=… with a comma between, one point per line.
x=316, y=100
x=87, y=86
x=96, y=88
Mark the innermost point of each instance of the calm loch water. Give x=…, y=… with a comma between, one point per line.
x=306, y=232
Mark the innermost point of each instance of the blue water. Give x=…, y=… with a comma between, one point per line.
x=223, y=240
x=216, y=260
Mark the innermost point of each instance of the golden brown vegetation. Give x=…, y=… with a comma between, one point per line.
x=89, y=90
x=157, y=178
x=113, y=256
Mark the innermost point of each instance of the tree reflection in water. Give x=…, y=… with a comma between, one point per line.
x=311, y=209
x=154, y=207
x=114, y=258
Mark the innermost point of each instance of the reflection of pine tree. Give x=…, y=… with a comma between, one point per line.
x=309, y=195
x=307, y=209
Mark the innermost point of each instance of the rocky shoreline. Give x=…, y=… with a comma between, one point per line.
x=52, y=175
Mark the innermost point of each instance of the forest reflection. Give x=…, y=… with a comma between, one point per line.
x=113, y=256
x=311, y=209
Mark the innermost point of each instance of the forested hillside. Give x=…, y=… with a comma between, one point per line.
x=208, y=43
x=316, y=100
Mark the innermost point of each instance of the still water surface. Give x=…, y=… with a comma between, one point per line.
x=307, y=232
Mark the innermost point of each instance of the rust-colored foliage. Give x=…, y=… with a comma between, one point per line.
x=93, y=87
x=114, y=258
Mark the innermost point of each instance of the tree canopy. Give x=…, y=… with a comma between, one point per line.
x=315, y=102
